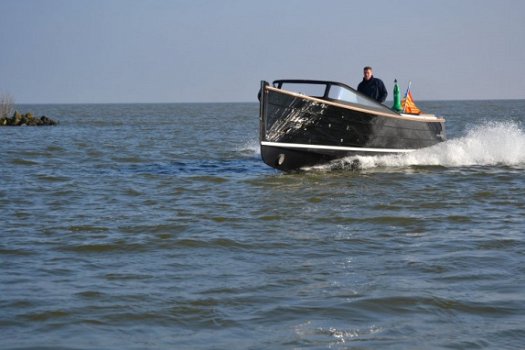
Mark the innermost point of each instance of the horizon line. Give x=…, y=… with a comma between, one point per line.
x=232, y=102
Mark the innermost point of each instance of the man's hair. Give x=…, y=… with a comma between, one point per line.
x=367, y=68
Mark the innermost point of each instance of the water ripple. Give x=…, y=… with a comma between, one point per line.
x=139, y=226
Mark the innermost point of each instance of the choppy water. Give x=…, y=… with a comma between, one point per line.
x=158, y=227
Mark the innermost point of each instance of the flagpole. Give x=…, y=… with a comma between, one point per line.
x=406, y=95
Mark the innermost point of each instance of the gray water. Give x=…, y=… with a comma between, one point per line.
x=158, y=227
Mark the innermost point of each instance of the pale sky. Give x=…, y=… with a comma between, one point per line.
x=104, y=51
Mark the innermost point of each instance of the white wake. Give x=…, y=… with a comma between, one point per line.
x=489, y=144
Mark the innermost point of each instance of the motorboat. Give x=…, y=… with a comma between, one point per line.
x=311, y=122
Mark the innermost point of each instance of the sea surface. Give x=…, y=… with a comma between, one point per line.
x=157, y=226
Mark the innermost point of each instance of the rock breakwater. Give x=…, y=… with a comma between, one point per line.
x=26, y=119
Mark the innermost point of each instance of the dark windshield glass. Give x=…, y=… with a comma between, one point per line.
x=341, y=93
x=315, y=90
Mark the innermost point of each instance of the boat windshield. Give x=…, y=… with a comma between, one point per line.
x=341, y=93
x=308, y=89
x=329, y=90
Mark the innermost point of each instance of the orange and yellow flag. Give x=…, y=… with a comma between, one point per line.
x=408, y=104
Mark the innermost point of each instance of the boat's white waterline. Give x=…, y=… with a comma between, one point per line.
x=335, y=148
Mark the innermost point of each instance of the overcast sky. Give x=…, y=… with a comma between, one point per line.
x=90, y=51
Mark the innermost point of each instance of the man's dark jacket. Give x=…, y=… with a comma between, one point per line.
x=373, y=88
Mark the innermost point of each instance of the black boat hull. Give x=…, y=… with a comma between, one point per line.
x=298, y=130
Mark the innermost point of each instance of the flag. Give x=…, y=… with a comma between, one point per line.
x=408, y=103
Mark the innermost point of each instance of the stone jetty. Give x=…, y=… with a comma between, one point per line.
x=27, y=119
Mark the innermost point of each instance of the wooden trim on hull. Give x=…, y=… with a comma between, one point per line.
x=425, y=119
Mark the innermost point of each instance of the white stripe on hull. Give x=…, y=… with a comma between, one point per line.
x=335, y=148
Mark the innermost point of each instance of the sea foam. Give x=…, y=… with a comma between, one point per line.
x=489, y=144
x=250, y=147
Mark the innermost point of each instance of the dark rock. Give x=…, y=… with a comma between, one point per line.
x=16, y=119
x=26, y=120
x=46, y=121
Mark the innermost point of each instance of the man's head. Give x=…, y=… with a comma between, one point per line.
x=367, y=73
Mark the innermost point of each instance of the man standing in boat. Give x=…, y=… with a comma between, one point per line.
x=372, y=87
